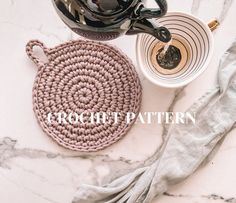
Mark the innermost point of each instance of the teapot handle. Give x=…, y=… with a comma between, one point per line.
x=153, y=12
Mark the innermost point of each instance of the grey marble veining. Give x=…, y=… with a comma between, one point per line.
x=30, y=174
x=9, y=151
x=195, y=7
x=226, y=6
x=214, y=197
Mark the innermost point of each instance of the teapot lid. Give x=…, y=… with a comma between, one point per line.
x=107, y=7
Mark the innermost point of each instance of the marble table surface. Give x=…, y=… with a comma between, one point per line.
x=35, y=169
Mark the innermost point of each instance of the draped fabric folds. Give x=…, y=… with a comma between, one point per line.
x=185, y=149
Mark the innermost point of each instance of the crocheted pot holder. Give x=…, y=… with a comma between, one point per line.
x=84, y=77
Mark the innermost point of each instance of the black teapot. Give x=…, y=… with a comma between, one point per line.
x=109, y=19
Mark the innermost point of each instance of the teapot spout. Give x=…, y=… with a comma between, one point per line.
x=146, y=26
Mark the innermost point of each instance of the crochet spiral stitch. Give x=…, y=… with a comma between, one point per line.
x=84, y=76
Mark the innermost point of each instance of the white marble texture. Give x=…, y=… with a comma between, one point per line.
x=34, y=169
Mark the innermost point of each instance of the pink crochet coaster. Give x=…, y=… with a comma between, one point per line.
x=84, y=77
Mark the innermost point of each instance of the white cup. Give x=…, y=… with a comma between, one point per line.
x=197, y=43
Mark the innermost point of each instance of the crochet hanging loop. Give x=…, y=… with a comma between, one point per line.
x=79, y=77
x=39, y=58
